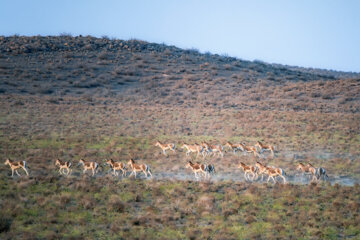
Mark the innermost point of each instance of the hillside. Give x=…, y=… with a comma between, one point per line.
x=148, y=73
x=84, y=97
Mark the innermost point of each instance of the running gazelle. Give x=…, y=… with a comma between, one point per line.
x=16, y=165
x=117, y=166
x=165, y=146
x=93, y=166
x=235, y=147
x=264, y=147
x=212, y=149
x=62, y=166
x=200, y=168
x=274, y=172
x=139, y=168
x=247, y=170
x=317, y=173
x=193, y=149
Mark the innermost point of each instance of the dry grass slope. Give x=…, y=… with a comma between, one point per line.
x=84, y=97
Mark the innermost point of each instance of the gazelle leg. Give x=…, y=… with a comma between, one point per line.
x=283, y=177
x=12, y=172
x=273, y=179
x=255, y=176
x=27, y=173
x=17, y=173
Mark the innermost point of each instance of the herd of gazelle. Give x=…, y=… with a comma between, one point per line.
x=206, y=149
x=198, y=169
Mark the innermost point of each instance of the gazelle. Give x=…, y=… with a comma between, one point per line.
x=62, y=166
x=16, y=165
x=247, y=170
x=261, y=169
x=264, y=147
x=274, y=172
x=235, y=147
x=117, y=166
x=213, y=149
x=197, y=168
x=139, y=168
x=308, y=169
x=249, y=149
x=165, y=147
x=193, y=148
x=93, y=166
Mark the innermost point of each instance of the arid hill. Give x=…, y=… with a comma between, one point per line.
x=148, y=73
x=84, y=97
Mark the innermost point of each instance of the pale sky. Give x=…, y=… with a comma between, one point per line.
x=320, y=34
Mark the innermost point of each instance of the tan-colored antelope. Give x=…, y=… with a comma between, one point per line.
x=193, y=149
x=250, y=149
x=16, y=165
x=197, y=168
x=93, y=166
x=117, y=166
x=213, y=149
x=139, y=168
x=274, y=172
x=166, y=146
x=261, y=169
x=247, y=170
x=62, y=166
x=308, y=169
x=264, y=147
x=235, y=147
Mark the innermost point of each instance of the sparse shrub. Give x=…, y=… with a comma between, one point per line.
x=103, y=56
x=115, y=204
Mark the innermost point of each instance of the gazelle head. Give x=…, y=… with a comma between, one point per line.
x=157, y=143
x=7, y=161
x=241, y=165
x=189, y=164
x=300, y=166
x=57, y=162
x=81, y=162
x=184, y=145
x=259, y=165
x=227, y=144
x=131, y=162
x=109, y=162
